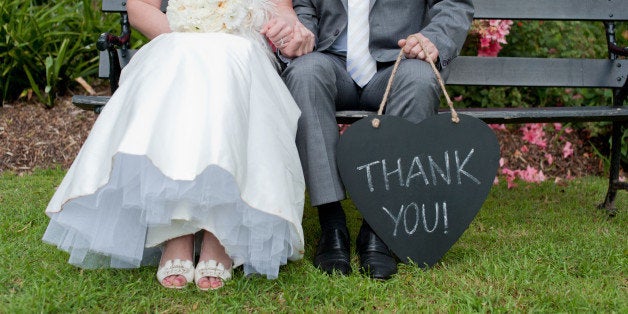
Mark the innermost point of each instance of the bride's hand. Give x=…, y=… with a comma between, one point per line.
x=287, y=33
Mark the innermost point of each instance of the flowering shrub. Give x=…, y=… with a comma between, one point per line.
x=552, y=39
x=491, y=34
x=541, y=145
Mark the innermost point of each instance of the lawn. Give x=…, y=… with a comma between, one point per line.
x=534, y=248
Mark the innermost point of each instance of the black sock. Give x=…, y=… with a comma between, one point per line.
x=331, y=215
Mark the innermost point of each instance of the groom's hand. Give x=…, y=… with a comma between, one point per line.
x=412, y=49
x=302, y=42
x=279, y=30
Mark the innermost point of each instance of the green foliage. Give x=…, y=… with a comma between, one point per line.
x=44, y=45
x=551, y=39
x=509, y=260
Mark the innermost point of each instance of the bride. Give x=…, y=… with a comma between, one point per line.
x=194, y=152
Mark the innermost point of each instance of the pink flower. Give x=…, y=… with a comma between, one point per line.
x=491, y=51
x=529, y=136
x=558, y=126
x=497, y=127
x=458, y=98
x=531, y=174
x=567, y=150
x=549, y=158
x=508, y=172
x=534, y=134
x=485, y=42
x=541, y=177
x=491, y=34
x=524, y=149
x=510, y=177
x=511, y=182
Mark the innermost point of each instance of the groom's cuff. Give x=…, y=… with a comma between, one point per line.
x=283, y=58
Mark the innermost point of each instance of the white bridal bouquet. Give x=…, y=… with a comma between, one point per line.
x=224, y=16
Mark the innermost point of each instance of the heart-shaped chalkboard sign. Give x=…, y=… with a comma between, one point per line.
x=418, y=186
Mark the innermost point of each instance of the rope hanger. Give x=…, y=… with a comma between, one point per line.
x=454, y=114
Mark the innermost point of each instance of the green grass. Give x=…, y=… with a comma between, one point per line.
x=535, y=248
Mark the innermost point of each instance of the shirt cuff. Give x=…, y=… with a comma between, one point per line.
x=283, y=58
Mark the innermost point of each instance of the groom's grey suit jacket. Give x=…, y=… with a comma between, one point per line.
x=444, y=22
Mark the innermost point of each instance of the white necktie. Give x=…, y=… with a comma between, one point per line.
x=360, y=63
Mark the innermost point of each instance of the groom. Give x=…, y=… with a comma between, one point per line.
x=355, y=45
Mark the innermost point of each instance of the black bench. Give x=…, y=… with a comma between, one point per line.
x=610, y=73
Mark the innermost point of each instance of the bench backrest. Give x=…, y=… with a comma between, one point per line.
x=544, y=72
x=503, y=71
x=574, y=10
x=570, y=10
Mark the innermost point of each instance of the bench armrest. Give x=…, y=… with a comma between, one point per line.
x=111, y=43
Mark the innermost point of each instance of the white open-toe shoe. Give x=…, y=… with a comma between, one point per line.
x=212, y=268
x=176, y=267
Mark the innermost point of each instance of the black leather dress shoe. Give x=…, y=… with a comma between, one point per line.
x=332, y=254
x=376, y=260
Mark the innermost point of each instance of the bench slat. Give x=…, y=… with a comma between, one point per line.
x=120, y=5
x=522, y=115
x=504, y=71
x=492, y=115
x=113, y=6
x=571, y=10
x=90, y=103
x=549, y=114
x=539, y=72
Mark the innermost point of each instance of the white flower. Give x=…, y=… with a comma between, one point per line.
x=208, y=16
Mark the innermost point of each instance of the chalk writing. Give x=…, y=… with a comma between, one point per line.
x=392, y=176
x=459, y=168
x=397, y=171
x=411, y=222
x=412, y=174
x=435, y=168
x=368, y=174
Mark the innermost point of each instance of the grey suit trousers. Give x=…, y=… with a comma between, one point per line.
x=321, y=85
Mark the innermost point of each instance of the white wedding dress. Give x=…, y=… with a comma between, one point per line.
x=199, y=135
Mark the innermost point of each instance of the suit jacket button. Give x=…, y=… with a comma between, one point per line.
x=336, y=32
